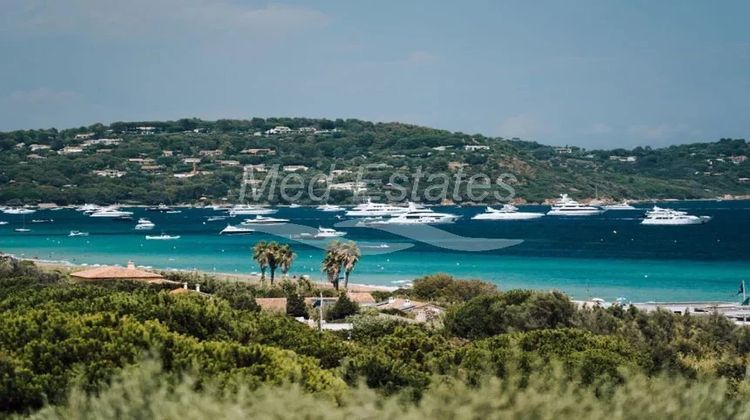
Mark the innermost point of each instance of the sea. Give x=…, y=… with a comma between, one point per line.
x=608, y=256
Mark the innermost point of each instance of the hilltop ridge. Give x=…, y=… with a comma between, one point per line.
x=187, y=160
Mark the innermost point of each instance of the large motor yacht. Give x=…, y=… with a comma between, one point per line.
x=619, y=206
x=508, y=212
x=371, y=209
x=111, y=212
x=417, y=215
x=566, y=206
x=670, y=217
x=18, y=210
x=262, y=220
x=249, y=210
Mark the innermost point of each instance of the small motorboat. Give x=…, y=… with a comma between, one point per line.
x=42, y=221
x=324, y=233
x=22, y=230
x=215, y=218
x=162, y=237
x=144, y=224
x=3, y=222
x=77, y=233
x=330, y=208
x=236, y=230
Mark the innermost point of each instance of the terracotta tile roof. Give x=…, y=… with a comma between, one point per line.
x=361, y=298
x=272, y=304
x=118, y=273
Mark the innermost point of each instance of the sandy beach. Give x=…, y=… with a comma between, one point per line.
x=247, y=278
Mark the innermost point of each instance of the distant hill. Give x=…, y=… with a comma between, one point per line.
x=188, y=160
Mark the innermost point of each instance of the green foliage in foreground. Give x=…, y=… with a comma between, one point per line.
x=63, y=347
x=146, y=393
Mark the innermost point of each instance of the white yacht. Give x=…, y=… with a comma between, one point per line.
x=162, y=237
x=418, y=215
x=294, y=206
x=144, y=224
x=566, y=206
x=249, y=210
x=236, y=230
x=89, y=208
x=324, y=233
x=77, y=233
x=370, y=209
x=619, y=206
x=18, y=210
x=329, y=208
x=507, y=212
x=262, y=220
x=111, y=212
x=669, y=217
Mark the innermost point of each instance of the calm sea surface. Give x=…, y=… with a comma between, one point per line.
x=606, y=256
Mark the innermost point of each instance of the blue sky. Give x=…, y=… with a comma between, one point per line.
x=590, y=73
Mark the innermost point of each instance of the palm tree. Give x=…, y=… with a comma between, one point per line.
x=274, y=256
x=332, y=263
x=350, y=255
x=286, y=258
x=260, y=255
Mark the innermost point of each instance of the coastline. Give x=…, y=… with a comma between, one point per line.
x=68, y=267
x=517, y=201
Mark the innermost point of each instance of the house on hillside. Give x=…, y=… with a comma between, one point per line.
x=280, y=129
x=294, y=168
x=258, y=152
x=475, y=147
x=272, y=304
x=119, y=273
x=185, y=290
x=84, y=136
x=69, y=150
x=361, y=298
x=110, y=173
x=421, y=311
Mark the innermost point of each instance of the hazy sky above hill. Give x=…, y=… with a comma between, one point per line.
x=591, y=73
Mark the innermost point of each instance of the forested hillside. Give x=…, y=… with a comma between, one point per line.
x=133, y=350
x=188, y=160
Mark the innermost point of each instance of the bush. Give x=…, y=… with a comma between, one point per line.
x=343, y=308
x=516, y=310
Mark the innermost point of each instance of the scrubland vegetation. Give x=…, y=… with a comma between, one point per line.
x=129, y=350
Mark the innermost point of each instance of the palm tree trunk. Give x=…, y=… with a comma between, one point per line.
x=346, y=279
x=273, y=272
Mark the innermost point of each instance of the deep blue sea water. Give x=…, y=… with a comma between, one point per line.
x=606, y=256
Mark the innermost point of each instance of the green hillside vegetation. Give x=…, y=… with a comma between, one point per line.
x=149, y=154
x=129, y=350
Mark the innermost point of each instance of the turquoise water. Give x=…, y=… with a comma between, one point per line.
x=606, y=256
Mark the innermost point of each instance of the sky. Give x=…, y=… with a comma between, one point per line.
x=596, y=74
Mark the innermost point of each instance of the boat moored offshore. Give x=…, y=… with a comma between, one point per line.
x=669, y=217
x=507, y=212
x=566, y=206
x=236, y=230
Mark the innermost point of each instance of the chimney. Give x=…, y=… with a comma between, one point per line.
x=131, y=265
x=197, y=287
x=184, y=285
